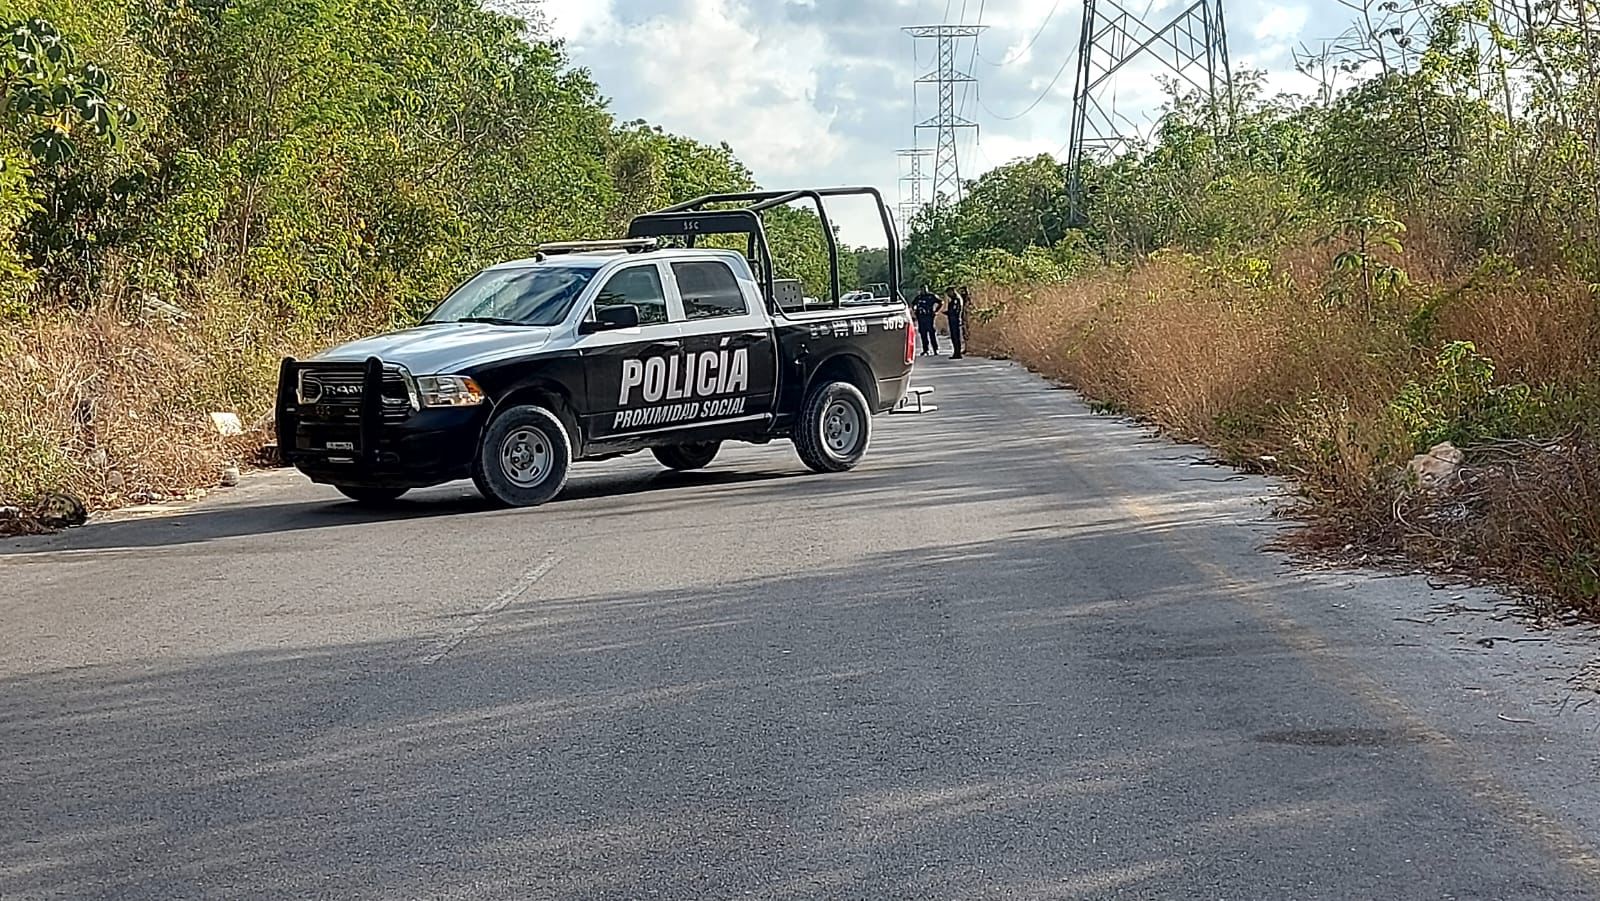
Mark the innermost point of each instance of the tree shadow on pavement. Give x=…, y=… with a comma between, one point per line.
x=947, y=726
x=906, y=471
x=226, y=520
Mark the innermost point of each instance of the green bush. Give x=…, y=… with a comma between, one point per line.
x=285, y=173
x=1460, y=402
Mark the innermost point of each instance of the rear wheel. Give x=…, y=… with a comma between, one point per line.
x=834, y=428
x=524, y=459
x=371, y=496
x=687, y=456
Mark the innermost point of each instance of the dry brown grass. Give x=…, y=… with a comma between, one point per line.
x=1254, y=360
x=1527, y=512
x=116, y=408
x=1190, y=345
x=1544, y=497
x=1539, y=329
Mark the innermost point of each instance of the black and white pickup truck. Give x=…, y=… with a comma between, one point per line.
x=592, y=350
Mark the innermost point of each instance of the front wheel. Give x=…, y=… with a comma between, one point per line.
x=687, y=456
x=370, y=496
x=834, y=428
x=524, y=458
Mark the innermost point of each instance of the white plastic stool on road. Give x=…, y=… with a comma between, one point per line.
x=914, y=401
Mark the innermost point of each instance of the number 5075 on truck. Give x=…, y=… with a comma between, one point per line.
x=595, y=349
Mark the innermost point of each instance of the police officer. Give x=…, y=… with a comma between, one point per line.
x=925, y=305
x=955, y=313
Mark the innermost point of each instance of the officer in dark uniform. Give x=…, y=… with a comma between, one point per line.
x=955, y=313
x=925, y=305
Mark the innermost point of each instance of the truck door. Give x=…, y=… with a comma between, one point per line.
x=625, y=371
x=728, y=344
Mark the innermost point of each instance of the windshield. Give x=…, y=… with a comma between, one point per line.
x=535, y=295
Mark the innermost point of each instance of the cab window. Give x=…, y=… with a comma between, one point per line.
x=708, y=289
x=637, y=285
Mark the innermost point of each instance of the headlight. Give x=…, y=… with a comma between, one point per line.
x=448, y=391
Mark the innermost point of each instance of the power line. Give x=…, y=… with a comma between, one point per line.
x=1037, y=100
x=973, y=57
x=977, y=144
x=946, y=78
x=1031, y=41
x=982, y=5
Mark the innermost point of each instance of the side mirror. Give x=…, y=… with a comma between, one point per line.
x=624, y=315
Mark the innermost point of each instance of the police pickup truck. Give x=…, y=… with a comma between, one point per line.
x=591, y=350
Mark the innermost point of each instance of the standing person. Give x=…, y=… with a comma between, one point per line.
x=926, y=305
x=955, y=313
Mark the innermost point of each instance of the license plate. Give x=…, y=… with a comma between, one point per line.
x=341, y=445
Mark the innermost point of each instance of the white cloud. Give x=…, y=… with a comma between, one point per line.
x=577, y=20
x=1282, y=23
x=1000, y=149
x=1020, y=28
x=818, y=92
x=708, y=72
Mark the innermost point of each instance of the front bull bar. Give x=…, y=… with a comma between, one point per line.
x=286, y=418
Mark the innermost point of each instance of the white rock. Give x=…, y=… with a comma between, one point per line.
x=1438, y=468
x=227, y=424
x=230, y=476
x=155, y=306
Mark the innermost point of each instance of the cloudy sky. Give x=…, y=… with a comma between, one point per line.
x=820, y=92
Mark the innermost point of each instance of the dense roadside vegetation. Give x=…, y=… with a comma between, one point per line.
x=190, y=189
x=1327, y=286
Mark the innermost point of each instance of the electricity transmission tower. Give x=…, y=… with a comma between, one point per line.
x=948, y=121
x=911, y=184
x=1193, y=45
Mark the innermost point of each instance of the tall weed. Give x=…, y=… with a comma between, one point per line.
x=116, y=408
x=1255, y=356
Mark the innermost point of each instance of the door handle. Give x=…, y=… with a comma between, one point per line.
x=663, y=345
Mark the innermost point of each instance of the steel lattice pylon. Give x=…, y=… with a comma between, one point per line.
x=911, y=199
x=947, y=122
x=1193, y=44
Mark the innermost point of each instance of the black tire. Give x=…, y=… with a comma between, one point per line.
x=834, y=429
x=687, y=456
x=524, y=459
x=371, y=496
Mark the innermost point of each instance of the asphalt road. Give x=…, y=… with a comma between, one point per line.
x=1022, y=652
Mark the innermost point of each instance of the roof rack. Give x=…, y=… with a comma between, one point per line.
x=692, y=220
x=626, y=245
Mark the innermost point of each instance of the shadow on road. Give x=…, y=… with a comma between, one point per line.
x=953, y=725
x=225, y=520
x=1065, y=709
x=943, y=462
x=916, y=464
